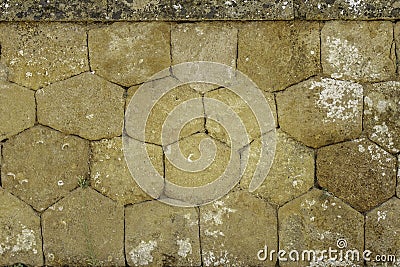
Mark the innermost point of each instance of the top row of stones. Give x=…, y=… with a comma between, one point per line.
x=175, y=10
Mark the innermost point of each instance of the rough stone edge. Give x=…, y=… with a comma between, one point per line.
x=174, y=10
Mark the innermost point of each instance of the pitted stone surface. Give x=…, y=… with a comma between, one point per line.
x=32, y=10
x=382, y=113
x=361, y=51
x=85, y=105
x=276, y=55
x=291, y=174
x=223, y=244
x=381, y=230
x=84, y=229
x=316, y=221
x=359, y=172
x=157, y=234
x=38, y=54
x=41, y=165
x=20, y=234
x=239, y=106
x=321, y=111
x=110, y=174
x=130, y=53
x=189, y=147
x=17, y=109
x=161, y=110
x=201, y=10
x=346, y=9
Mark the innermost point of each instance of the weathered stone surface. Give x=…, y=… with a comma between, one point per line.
x=38, y=54
x=235, y=228
x=381, y=230
x=276, y=55
x=345, y=9
x=17, y=109
x=41, y=165
x=201, y=10
x=16, y=10
x=239, y=106
x=361, y=51
x=189, y=147
x=317, y=221
x=85, y=105
x=110, y=174
x=321, y=111
x=162, y=109
x=216, y=42
x=398, y=176
x=157, y=234
x=291, y=174
x=382, y=113
x=20, y=239
x=359, y=172
x=3, y=72
x=83, y=229
x=130, y=53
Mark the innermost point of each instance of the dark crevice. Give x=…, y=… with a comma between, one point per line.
x=42, y=237
x=87, y=51
x=198, y=209
x=124, y=238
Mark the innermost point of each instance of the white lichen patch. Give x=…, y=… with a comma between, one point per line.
x=341, y=100
x=382, y=135
x=381, y=215
x=22, y=242
x=347, y=61
x=141, y=255
x=216, y=216
x=218, y=259
x=184, y=247
x=356, y=6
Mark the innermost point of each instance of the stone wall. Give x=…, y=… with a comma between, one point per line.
x=327, y=69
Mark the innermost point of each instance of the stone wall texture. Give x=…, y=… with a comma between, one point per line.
x=327, y=68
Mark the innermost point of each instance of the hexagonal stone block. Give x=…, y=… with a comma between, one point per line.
x=157, y=234
x=321, y=111
x=359, y=50
x=110, y=174
x=38, y=54
x=83, y=229
x=20, y=234
x=42, y=165
x=381, y=230
x=190, y=149
x=291, y=174
x=276, y=55
x=318, y=221
x=17, y=109
x=234, y=228
x=130, y=53
x=85, y=105
x=382, y=113
x=163, y=108
x=239, y=106
x=359, y=172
